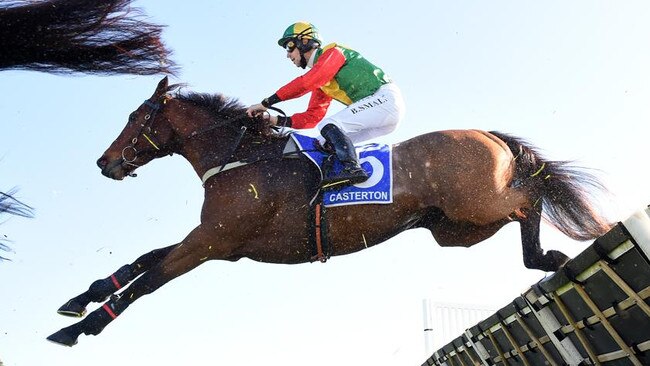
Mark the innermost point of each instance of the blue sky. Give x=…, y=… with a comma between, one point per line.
x=571, y=77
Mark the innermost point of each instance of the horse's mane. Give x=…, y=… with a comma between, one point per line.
x=218, y=105
x=89, y=36
x=224, y=109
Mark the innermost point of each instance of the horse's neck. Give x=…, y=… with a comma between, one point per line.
x=204, y=154
x=209, y=149
x=254, y=149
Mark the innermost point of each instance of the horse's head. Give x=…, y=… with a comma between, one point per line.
x=146, y=136
x=192, y=122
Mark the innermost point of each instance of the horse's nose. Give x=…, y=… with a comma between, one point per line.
x=101, y=162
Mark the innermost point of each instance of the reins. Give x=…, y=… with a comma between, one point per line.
x=213, y=127
x=229, y=120
x=233, y=148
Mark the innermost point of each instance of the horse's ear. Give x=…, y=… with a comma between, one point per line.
x=162, y=87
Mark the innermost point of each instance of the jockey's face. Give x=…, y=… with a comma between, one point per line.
x=294, y=56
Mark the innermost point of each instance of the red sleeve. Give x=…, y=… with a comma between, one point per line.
x=318, y=104
x=328, y=64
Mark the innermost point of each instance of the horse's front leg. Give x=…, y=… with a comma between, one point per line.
x=101, y=289
x=194, y=250
x=534, y=256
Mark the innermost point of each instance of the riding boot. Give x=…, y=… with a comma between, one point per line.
x=352, y=173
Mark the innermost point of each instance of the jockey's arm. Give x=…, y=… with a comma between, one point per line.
x=316, y=110
x=328, y=64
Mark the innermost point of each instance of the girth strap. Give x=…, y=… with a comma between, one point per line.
x=323, y=251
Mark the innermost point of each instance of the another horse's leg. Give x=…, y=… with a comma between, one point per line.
x=179, y=260
x=100, y=290
x=534, y=256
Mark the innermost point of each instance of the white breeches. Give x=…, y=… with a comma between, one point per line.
x=370, y=117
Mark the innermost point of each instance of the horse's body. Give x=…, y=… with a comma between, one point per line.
x=88, y=36
x=462, y=185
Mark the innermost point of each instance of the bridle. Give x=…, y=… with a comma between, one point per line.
x=144, y=129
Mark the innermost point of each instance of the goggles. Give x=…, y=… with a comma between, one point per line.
x=290, y=45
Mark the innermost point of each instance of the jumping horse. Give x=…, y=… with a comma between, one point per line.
x=462, y=185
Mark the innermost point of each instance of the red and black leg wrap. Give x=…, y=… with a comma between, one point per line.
x=101, y=289
x=95, y=322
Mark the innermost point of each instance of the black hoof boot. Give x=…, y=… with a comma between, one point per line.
x=98, y=291
x=93, y=324
x=65, y=337
x=74, y=307
x=549, y=262
x=555, y=259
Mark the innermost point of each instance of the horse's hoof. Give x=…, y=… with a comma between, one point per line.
x=63, y=338
x=73, y=309
x=557, y=259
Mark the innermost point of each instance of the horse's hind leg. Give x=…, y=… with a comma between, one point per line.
x=451, y=233
x=534, y=256
x=101, y=289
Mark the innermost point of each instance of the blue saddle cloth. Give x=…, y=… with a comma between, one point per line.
x=375, y=159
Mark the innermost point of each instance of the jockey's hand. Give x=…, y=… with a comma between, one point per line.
x=272, y=119
x=255, y=110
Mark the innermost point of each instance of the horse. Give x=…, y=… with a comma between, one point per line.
x=461, y=185
x=85, y=36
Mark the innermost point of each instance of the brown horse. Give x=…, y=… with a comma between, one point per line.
x=462, y=185
x=87, y=36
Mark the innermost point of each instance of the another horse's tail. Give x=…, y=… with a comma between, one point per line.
x=565, y=192
x=88, y=36
x=10, y=205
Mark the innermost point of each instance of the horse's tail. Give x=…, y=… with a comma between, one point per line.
x=88, y=36
x=564, y=191
x=10, y=205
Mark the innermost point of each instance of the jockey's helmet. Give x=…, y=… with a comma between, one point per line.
x=301, y=35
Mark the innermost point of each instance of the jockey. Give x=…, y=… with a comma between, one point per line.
x=374, y=103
